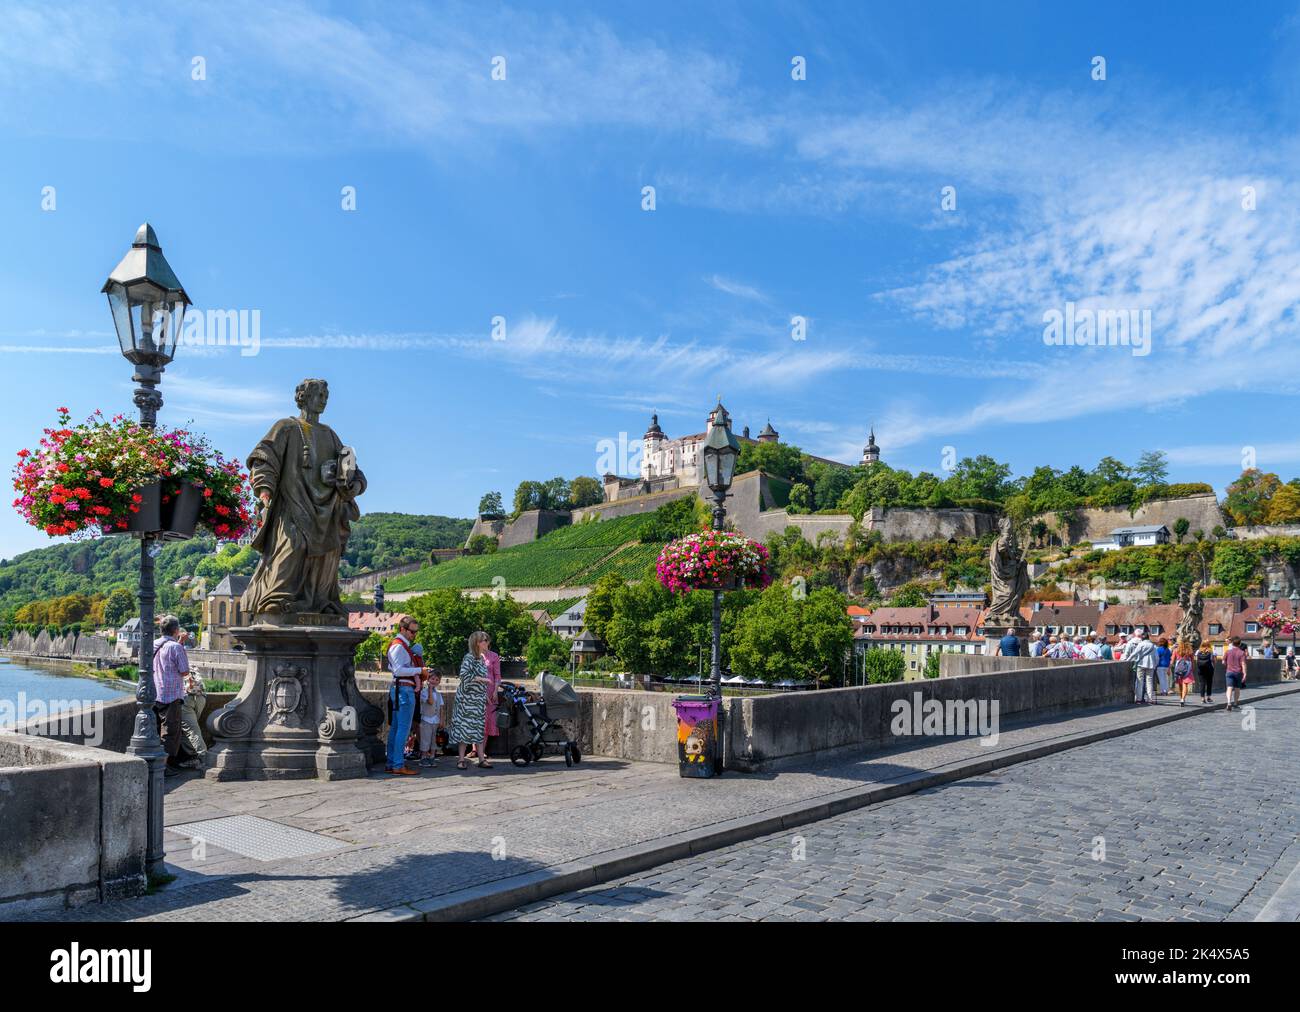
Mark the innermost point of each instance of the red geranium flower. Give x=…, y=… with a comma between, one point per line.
x=105, y=482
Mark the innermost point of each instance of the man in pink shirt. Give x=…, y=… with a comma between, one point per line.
x=1234, y=664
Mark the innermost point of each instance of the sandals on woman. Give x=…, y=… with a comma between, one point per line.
x=483, y=764
x=461, y=764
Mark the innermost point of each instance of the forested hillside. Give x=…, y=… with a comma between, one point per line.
x=99, y=565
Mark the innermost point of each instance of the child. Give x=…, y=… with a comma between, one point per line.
x=430, y=711
x=1183, y=670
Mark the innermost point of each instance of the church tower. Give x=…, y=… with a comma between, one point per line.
x=769, y=434
x=651, y=443
x=871, y=452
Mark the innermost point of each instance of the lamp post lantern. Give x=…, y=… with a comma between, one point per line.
x=148, y=306
x=721, y=449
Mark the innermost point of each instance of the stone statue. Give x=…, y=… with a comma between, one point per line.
x=1189, y=627
x=1009, y=576
x=308, y=482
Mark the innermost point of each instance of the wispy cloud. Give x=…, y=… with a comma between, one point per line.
x=735, y=288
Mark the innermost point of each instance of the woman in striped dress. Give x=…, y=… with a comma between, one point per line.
x=469, y=713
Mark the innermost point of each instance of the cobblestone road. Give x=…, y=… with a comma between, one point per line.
x=1198, y=820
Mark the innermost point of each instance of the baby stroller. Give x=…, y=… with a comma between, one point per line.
x=559, y=701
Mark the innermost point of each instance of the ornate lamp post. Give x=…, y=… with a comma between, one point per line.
x=148, y=305
x=721, y=449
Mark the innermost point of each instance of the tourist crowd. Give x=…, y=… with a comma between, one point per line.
x=414, y=701
x=1157, y=666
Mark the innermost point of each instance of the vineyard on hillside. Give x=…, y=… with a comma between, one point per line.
x=570, y=556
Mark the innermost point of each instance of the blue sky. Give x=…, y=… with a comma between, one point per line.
x=522, y=198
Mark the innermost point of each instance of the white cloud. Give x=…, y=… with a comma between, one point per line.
x=735, y=288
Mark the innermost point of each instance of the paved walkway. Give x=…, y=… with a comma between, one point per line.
x=452, y=844
x=1199, y=821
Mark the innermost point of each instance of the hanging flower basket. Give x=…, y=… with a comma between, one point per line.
x=1276, y=621
x=119, y=477
x=180, y=513
x=147, y=515
x=713, y=560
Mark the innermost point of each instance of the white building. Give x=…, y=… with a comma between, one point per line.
x=1127, y=537
x=571, y=623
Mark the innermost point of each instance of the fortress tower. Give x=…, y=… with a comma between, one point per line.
x=871, y=452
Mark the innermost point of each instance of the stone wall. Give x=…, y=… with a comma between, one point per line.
x=532, y=524
x=1095, y=523
x=72, y=824
x=79, y=647
x=1264, y=531
x=765, y=732
x=363, y=582
x=633, y=505
x=493, y=527
x=226, y=665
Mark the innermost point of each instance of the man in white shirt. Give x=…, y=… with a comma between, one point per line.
x=407, y=672
x=1092, y=649
x=1141, y=653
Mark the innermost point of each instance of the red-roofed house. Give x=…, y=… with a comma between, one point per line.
x=918, y=632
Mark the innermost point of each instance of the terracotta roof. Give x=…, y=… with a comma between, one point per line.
x=925, y=620
x=381, y=621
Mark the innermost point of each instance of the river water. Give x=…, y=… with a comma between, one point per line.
x=29, y=691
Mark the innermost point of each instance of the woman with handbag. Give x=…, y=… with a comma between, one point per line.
x=469, y=712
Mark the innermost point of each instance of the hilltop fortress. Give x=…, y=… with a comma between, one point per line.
x=671, y=469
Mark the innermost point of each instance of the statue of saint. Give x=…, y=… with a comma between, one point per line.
x=308, y=482
x=1009, y=576
x=1189, y=628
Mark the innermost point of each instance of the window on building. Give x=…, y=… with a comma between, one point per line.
x=1215, y=629
x=1252, y=627
x=221, y=611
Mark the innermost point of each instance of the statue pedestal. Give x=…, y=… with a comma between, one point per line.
x=299, y=714
x=994, y=631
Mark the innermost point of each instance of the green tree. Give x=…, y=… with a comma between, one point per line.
x=1152, y=467
x=1181, y=526
x=546, y=652
x=121, y=605
x=529, y=495
x=585, y=491
x=446, y=618
x=1233, y=566
x=555, y=494
x=883, y=666
x=800, y=498
x=781, y=459
x=1284, y=508
x=490, y=505
x=1249, y=497
x=482, y=544
x=370, y=651
x=783, y=636
x=600, y=603
x=979, y=477
x=908, y=596
x=932, y=664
